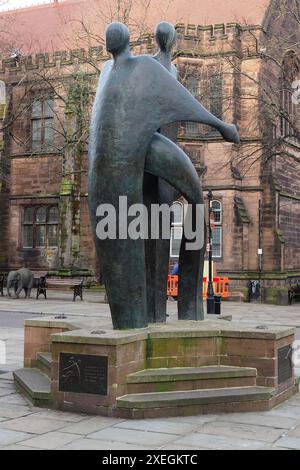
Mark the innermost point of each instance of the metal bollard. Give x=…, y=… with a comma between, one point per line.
x=218, y=299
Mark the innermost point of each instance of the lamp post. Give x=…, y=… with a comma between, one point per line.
x=210, y=298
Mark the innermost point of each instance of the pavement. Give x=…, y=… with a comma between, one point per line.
x=25, y=427
x=60, y=302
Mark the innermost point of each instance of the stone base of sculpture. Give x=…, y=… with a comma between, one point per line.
x=174, y=369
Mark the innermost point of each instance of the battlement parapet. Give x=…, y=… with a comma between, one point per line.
x=198, y=40
x=213, y=39
x=213, y=30
x=55, y=59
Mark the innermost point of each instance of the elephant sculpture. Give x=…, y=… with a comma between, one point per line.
x=19, y=280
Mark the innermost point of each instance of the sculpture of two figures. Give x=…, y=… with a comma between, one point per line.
x=133, y=165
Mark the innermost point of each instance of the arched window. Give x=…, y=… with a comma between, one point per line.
x=216, y=207
x=2, y=92
x=2, y=100
x=216, y=94
x=28, y=227
x=42, y=123
x=176, y=229
x=53, y=218
x=40, y=226
x=290, y=74
x=192, y=84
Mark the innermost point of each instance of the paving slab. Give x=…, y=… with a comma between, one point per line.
x=18, y=447
x=294, y=432
x=260, y=419
x=219, y=442
x=89, y=425
x=239, y=430
x=8, y=385
x=289, y=443
x=197, y=419
x=130, y=436
x=95, y=444
x=8, y=436
x=61, y=415
x=295, y=401
x=289, y=411
x=181, y=447
x=157, y=425
x=33, y=424
x=14, y=411
x=4, y=392
x=14, y=399
x=50, y=440
x=273, y=447
x=6, y=376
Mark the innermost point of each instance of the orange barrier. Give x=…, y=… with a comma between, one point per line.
x=221, y=286
x=172, y=287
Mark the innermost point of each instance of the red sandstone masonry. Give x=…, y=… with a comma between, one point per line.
x=161, y=347
x=180, y=385
x=37, y=339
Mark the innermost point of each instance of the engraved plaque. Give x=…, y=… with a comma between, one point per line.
x=81, y=373
x=285, y=366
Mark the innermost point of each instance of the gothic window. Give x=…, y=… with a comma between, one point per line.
x=216, y=207
x=52, y=225
x=196, y=155
x=2, y=99
x=192, y=85
x=28, y=227
x=176, y=229
x=215, y=94
x=42, y=124
x=40, y=227
x=290, y=74
x=2, y=92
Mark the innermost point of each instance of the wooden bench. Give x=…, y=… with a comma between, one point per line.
x=293, y=293
x=75, y=283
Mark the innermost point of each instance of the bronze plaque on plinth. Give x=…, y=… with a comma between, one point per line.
x=81, y=373
x=285, y=366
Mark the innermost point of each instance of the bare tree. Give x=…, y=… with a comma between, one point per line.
x=265, y=102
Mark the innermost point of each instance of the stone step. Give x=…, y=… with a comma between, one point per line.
x=34, y=385
x=44, y=362
x=190, y=378
x=190, y=402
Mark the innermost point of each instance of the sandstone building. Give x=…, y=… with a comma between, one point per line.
x=243, y=65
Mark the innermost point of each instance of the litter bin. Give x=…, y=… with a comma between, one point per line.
x=254, y=291
x=218, y=299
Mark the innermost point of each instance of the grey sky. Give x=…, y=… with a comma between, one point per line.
x=11, y=4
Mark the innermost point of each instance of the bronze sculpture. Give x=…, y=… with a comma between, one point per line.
x=157, y=190
x=136, y=96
